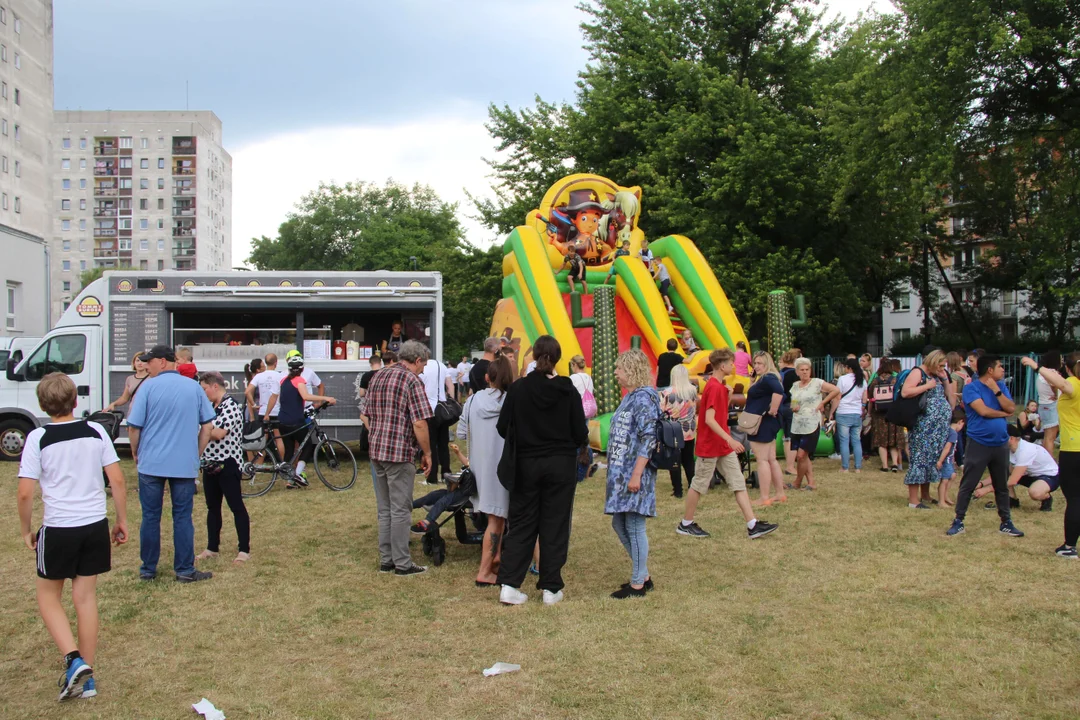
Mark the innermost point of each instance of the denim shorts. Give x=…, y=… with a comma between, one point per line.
x=1049, y=415
x=947, y=470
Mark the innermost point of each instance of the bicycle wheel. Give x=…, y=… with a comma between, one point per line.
x=257, y=475
x=335, y=465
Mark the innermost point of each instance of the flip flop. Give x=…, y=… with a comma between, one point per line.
x=480, y=583
x=206, y=555
x=241, y=558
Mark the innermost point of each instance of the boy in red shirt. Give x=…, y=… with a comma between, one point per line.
x=715, y=450
x=184, y=365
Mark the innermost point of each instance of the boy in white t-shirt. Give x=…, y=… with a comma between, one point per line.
x=65, y=458
x=1033, y=467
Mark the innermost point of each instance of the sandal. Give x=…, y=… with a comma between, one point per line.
x=241, y=558
x=206, y=555
x=762, y=503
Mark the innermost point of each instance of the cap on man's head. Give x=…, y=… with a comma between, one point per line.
x=162, y=352
x=292, y=353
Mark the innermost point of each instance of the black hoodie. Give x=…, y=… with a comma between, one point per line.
x=547, y=414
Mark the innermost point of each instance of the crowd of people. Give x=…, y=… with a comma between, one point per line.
x=528, y=448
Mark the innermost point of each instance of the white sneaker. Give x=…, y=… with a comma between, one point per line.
x=551, y=598
x=512, y=596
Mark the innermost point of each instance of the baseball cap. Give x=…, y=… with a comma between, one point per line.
x=293, y=353
x=164, y=352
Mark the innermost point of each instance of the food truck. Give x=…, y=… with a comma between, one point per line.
x=336, y=319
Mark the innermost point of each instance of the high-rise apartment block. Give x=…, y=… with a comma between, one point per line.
x=147, y=190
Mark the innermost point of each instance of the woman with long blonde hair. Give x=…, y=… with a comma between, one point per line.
x=679, y=403
x=764, y=398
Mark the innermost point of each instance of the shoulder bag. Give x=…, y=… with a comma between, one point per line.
x=905, y=411
x=447, y=411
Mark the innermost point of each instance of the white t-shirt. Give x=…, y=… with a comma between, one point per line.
x=582, y=382
x=267, y=383
x=310, y=378
x=1035, y=458
x=434, y=377
x=66, y=460
x=463, y=372
x=1047, y=394
x=850, y=404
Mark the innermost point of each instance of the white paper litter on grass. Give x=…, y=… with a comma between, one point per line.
x=206, y=708
x=500, y=668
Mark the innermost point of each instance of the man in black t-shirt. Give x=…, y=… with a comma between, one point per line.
x=478, y=374
x=666, y=362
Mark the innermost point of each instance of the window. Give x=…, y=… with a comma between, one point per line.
x=82, y=164
x=160, y=245
x=144, y=224
x=18, y=97
x=125, y=183
x=160, y=224
x=12, y=304
x=125, y=162
x=65, y=204
x=143, y=204
x=67, y=266
x=144, y=244
x=3, y=90
x=125, y=142
x=18, y=204
x=18, y=62
x=144, y=183
x=144, y=143
x=144, y=264
x=161, y=163
x=900, y=335
x=67, y=304
x=82, y=204
x=18, y=25
x=82, y=222
x=62, y=353
x=67, y=246
x=67, y=286
x=18, y=169
x=125, y=223
x=82, y=265
x=160, y=264
x=82, y=143
x=82, y=246
x=4, y=201
x=161, y=183
x=144, y=164
x=65, y=164
x=3, y=16
x=966, y=257
x=4, y=164
x=18, y=134
x=66, y=143
x=65, y=184
x=65, y=225
x=125, y=243
x=161, y=142
x=3, y=53
x=161, y=203
x=82, y=183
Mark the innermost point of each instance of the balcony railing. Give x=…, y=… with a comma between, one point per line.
x=104, y=232
x=183, y=190
x=105, y=151
x=125, y=192
x=183, y=252
x=99, y=253
x=183, y=171
x=106, y=192
x=105, y=212
x=184, y=148
x=105, y=172
x=183, y=232
x=183, y=212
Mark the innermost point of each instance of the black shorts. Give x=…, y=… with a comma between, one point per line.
x=64, y=552
x=664, y=285
x=806, y=442
x=1054, y=482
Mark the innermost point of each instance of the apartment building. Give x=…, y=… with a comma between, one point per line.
x=149, y=190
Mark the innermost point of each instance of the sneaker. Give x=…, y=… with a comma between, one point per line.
x=534, y=570
x=760, y=529
x=386, y=567
x=627, y=591
x=919, y=506
x=1014, y=502
x=147, y=577
x=89, y=690
x=691, y=530
x=1047, y=505
x=420, y=528
x=512, y=596
x=1007, y=528
x=1067, y=551
x=990, y=506
x=194, y=577
x=956, y=528
x=413, y=569
x=72, y=679
x=301, y=479
x=896, y=468
x=551, y=598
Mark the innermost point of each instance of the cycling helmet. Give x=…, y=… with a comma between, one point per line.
x=295, y=362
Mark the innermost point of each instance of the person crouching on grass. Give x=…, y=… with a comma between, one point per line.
x=1032, y=466
x=631, y=482
x=65, y=457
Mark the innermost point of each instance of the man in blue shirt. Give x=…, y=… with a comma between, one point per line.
x=169, y=427
x=988, y=404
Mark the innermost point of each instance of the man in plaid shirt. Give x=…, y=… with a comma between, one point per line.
x=397, y=410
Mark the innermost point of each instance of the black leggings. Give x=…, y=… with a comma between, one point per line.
x=292, y=435
x=686, y=462
x=1069, y=474
x=225, y=483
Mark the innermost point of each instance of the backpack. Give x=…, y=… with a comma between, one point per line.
x=883, y=396
x=669, y=443
x=904, y=411
x=253, y=436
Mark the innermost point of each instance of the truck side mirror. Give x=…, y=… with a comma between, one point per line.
x=10, y=371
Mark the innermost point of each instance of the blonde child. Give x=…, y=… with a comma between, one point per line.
x=945, y=465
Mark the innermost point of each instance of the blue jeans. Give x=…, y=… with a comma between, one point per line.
x=151, y=495
x=630, y=527
x=848, y=429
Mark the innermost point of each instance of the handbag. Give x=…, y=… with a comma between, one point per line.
x=749, y=422
x=507, y=467
x=448, y=411
x=905, y=411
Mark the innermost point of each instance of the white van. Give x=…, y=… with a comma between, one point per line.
x=14, y=348
x=227, y=319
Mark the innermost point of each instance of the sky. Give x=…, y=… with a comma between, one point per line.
x=347, y=90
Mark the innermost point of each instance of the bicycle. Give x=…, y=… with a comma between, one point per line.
x=332, y=459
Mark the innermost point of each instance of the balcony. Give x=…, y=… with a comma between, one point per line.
x=183, y=190
x=104, y=232
x=106, y=171
x=183, y=212
x=104, y=212
x=183, y=146
x=183, y=232
x=106, y=253
x=183, y=171
x=105, y=151
x=182, y=252
x=106, y=191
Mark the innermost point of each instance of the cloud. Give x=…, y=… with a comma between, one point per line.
x=445, y=152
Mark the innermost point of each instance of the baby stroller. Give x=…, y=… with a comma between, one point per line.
x=111, y=421
x=433, y=544
x=745, y=459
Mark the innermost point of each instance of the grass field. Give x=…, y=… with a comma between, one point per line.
x=856, y=608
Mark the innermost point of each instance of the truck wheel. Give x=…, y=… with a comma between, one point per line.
x=12, y=439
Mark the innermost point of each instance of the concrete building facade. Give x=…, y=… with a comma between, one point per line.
x=24, y=279
x=149, y=190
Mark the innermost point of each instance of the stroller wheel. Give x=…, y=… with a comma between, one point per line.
x=426, y=543
x=438, y=552
x=753, y=481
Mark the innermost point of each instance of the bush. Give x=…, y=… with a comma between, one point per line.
x=1027, y=343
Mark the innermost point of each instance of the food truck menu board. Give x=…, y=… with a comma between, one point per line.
x=135, y=327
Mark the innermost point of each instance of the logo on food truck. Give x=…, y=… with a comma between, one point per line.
x=124, y=286
x=318, y=283
x=90, y=307
x=253, y=283
x=350, y=283
x=285, y=283
x=221, y=283
x=189, y=283
x=158, y=288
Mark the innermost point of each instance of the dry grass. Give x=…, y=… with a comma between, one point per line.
x=855, y=608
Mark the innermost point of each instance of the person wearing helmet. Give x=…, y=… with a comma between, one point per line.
x=314, y=382
x=291, y=395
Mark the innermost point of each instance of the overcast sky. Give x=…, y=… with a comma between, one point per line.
x=344, y=90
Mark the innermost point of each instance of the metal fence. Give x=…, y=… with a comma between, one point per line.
x=1019, y=379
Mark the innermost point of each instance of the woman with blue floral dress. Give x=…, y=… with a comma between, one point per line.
x=931, y=431
x=631, y=483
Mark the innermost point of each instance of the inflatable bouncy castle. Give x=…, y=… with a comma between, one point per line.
x=634, y=292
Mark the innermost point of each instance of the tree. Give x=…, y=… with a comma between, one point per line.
x=88, y=276
x=361, y=226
